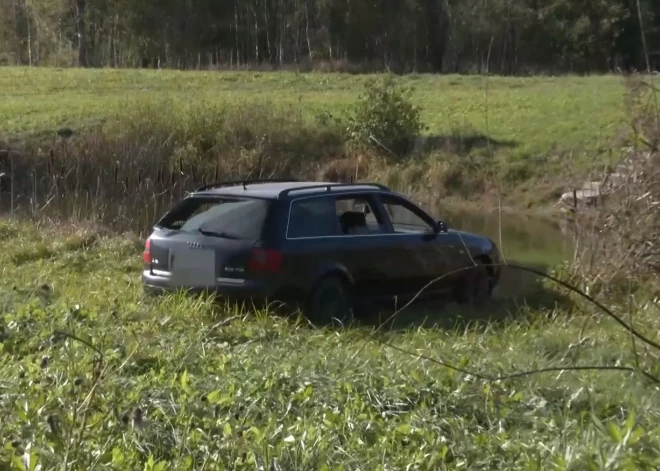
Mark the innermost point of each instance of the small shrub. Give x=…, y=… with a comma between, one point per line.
x=517, y=171
x=385, y=117
x=619, y=238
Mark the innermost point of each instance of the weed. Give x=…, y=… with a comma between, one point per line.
x=619, y=237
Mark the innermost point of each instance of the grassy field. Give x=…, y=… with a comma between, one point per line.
x=539, y=115
x=94, y=375
x=538, y=137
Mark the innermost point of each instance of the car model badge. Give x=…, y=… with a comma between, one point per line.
x=194, y=245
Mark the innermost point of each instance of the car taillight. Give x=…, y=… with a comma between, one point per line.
x=265, y=261
x=146, y=255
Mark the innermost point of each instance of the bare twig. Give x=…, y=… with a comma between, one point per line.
x=383, y=146
x=564, y=284
x=630, y=321
x=521, y=374
x=643, y=34
x=226, y=322
x=74, y=337
x=488, y=144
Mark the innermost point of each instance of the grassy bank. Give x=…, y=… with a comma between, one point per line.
x=533, y=136
x=182, y=384
x=537, y=114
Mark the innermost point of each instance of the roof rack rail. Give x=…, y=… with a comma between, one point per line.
x=244, y=183
x=329, y=186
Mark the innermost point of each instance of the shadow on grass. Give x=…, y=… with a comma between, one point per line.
x=520, y=297
x=463, y=144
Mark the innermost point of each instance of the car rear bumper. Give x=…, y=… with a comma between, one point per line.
x=233, y=288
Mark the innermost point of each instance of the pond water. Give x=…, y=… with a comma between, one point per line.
x=526, y=240
x=539, y=243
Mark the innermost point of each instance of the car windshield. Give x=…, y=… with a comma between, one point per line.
x=219, y=217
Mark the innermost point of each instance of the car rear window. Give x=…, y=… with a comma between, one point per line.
x=240, y=218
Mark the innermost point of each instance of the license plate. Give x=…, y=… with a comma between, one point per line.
x=193, y=268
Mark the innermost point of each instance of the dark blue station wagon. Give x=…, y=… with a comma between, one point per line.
x=329, y=248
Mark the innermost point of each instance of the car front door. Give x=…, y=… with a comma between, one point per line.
x=417, y=246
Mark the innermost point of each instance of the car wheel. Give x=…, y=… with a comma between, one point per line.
x=475, y=288
x=330, y=302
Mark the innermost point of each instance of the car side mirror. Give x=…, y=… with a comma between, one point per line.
x=440, y=227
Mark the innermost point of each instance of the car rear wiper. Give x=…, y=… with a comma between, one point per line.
x=222, y=235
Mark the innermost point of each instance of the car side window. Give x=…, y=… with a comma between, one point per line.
x=334, y=216
x=357, y=217
x=313, y=217
x=404, y=219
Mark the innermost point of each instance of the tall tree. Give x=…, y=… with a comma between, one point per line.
x=507, y=36
x=80, y=8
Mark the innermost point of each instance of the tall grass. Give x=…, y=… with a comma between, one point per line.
x=125, y=171
x=619, y=238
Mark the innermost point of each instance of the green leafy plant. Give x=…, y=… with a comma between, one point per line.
x=385, y=118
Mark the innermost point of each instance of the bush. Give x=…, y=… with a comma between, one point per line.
x=620, y=238
x=384, y=117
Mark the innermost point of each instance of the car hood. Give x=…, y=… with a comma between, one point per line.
x=475, y=242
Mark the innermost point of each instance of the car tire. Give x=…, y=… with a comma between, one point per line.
x=330, y=303
x=475, y=288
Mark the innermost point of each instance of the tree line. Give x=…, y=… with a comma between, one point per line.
x=446, y=36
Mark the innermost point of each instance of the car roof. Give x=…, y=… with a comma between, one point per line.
x=272, y=190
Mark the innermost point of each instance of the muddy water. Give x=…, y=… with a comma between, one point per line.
x=531, y=241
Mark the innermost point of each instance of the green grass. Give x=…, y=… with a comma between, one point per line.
x=540, y=136
x=541, y=116
x=261, y=391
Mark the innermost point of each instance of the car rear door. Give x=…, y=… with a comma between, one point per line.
x=316, y=243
